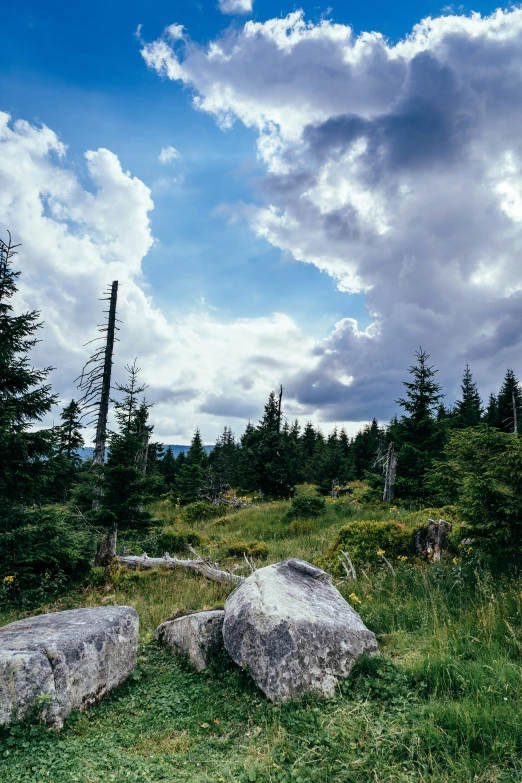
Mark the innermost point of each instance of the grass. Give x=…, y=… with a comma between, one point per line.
x=443, y=701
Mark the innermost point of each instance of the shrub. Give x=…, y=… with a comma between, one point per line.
x=201, y=511
x=97, y=576
x=42, y=551
x=307, y=503
x=362, y=540
x=172, y=540
x=257, y=549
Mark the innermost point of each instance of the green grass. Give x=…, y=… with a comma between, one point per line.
x=443, y=702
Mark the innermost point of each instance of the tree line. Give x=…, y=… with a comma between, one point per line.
x=43, y=477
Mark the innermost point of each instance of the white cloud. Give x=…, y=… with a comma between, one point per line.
x=201, y=371
x=397, y=169
x=168, y=154
x=235, y=6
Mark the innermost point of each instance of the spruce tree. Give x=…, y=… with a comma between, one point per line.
x=332, y=468
x=67, y=462
x=25, y=398
x=223, y=459
x=420, y=437
x=368, y=448
x=269, y=453
x=509, y=392
x=191, y=474
x=168, y=469
x=491, y=414
x=468, y=410
x=307, y=449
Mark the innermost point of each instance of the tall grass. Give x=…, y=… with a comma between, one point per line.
x=443, y=701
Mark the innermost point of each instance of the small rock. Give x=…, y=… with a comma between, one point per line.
x=59, y=662
x=198, y=634
x=293, y=631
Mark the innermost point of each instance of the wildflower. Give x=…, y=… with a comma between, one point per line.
x=456, y=560
x=354, y=598
x=469, y=550
x=402, y=558
x=368, y=597
x=381, y=552
x=8, y=579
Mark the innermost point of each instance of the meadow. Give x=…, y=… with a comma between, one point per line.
x=442, y=702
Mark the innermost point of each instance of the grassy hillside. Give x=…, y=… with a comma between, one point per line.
x=443, y=702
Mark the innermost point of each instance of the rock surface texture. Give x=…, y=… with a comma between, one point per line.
x=199, y=634
x=293, y=631
x=55, y=663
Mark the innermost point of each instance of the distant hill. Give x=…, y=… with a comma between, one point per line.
x=87, y=452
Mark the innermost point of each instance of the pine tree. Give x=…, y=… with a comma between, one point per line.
x=332, y=467
x=509, y=392
x=491, y=415
x=66, y=463
x=307, y=449
x=122, y=487
x=420, y=437
x=468, y=411
x=269, y=453
x=368, y=448
x=224, y=458
x=24, y=397
x=191, y=474
x=168, y=469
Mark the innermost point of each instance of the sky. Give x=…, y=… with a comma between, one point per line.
x=295, y=194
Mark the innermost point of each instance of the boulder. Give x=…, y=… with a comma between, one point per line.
x=198, y=634
x=293, y=631
x=55, y=663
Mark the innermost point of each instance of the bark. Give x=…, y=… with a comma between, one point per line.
x=101, y=426
x=391, y=471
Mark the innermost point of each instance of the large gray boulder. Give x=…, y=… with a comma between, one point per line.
x=55, y=663
x=293, y=631
x=198, y=634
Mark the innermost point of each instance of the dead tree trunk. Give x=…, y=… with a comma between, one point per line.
x=515, y=423
x=200, y=566
x=391, y=471
x=95, y=382
x=279, y=409
x=101, y=426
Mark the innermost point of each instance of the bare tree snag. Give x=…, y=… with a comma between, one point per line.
x=200, y=566
x=279, y=408
x=391, y=472
x=95, y=379
x=515, y=423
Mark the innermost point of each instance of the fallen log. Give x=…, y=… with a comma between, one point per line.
x=201, y=566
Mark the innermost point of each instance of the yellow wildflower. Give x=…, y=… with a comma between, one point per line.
x=8, y=579
x=456, y=560
x=354, y=598
x=381, y=552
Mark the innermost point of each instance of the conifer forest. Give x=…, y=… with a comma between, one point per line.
x=442, y=700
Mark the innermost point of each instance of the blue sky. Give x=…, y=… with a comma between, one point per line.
x=80, y=71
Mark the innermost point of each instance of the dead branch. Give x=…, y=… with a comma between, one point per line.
x=347, y=564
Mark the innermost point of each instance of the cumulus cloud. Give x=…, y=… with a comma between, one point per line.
x=396, y=169
x=168, y=154
x=75, y=240
x=236, y=6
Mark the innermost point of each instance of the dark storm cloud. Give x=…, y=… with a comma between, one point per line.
x=398, y=171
